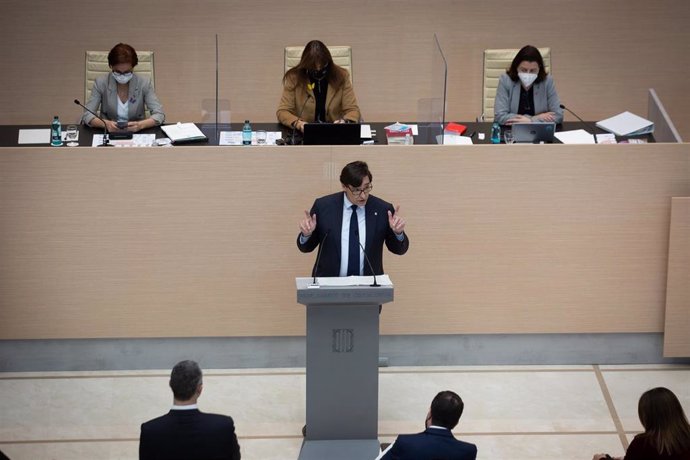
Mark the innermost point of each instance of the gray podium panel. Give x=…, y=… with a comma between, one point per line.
x=342, y=370
x=367, y=449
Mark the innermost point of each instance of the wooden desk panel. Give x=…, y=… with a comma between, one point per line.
x=199, y=241
x=677, y=330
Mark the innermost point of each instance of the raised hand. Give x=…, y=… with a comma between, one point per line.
x=396, y=223
x=307, y=225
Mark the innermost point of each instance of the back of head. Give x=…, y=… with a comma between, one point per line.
x=122, y=53
x=185, y=378
x=664, y=421
x=446, y=409
x=354, y=173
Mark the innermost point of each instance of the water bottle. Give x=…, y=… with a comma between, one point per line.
x=56, y=132
x=495, y=133
x=247, y=133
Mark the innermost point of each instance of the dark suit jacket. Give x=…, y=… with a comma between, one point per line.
x=189, y=434
x=432, y=444
x=329, y=220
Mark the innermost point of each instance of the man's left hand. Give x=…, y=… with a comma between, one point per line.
x=396, y=222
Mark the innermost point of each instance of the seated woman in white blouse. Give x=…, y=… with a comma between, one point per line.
x=122, y=95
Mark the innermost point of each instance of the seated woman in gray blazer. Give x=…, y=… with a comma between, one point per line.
x=526, y=93
x=122, y=95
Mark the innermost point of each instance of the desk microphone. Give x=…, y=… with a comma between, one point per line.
x=366, y=257
x=318, y=257
x=291, y=139
x=594, y=133
x=105, y=143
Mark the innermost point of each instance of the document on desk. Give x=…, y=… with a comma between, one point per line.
x=580, y=136
x=365, y=132
x=577, y=136
x=344, y=281
x=235, y=137
x=137, y=140
x=454, y=139
x=34, y=136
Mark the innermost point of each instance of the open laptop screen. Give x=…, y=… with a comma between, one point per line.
x=533, y=133
x=332, y=134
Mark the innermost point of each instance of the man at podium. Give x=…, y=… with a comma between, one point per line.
x=351, y=227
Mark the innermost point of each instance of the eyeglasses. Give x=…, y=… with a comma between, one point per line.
x=359, y=191
x=124, y=74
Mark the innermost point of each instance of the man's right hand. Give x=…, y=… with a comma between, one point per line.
x=307, y=225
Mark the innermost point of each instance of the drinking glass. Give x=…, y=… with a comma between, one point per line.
x=71, y=135
x=508, y=136
x=261, y=137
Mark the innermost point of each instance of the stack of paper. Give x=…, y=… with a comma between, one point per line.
x=627, y=124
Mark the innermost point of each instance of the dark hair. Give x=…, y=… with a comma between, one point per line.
x=530, y=54
x=446, y=409
x=354, y=173
x=185, y=378
x=315, y=55
x=665, y=424
x=122, y=54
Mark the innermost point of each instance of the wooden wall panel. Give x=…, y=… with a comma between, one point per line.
x=199, y=241
x=605, y=54
x=677, y=330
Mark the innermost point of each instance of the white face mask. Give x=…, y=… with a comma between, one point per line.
x=123, y=79
x=527, y=78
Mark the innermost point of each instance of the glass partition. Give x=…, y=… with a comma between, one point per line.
x=432, y=110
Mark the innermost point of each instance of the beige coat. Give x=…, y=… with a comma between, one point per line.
x=340, y=103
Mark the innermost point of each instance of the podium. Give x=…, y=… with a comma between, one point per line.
x=342, y=369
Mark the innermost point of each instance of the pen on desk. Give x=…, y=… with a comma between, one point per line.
x=470, y=134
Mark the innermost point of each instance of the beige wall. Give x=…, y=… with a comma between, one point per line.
x=200, y=241
x=605, y=54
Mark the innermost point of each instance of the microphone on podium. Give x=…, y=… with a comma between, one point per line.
x=318, y=258
x=594, y=132
x=366, y=257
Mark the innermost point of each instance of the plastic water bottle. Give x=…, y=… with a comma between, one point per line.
x=247, y=133
x=56, y=132
x=495, y=133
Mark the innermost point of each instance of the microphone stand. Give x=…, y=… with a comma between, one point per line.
x=318, y=258
x=366, y=257
x=106, y=142
x=291, y=139
x=594, y=133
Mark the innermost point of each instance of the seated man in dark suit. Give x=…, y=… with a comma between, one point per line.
x=185, y=432
x=436, y=442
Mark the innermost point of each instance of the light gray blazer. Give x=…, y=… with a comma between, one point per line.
x=104, y=95
x=508, y=99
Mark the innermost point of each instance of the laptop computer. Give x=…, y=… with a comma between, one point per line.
x=332, y=134
x=533, y=133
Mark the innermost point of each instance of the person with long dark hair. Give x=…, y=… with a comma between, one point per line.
x=317, y=90
x=526, y=93
x=122, y=95
x=666, y=430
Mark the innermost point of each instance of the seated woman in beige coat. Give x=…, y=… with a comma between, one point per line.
x=122, y=95
x=317, y=90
